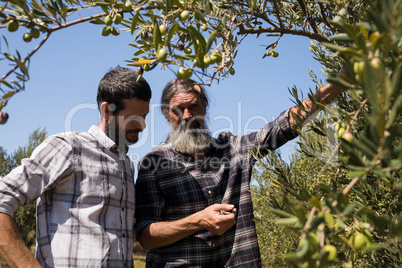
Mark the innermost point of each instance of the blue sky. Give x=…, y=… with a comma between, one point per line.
x=61, y=94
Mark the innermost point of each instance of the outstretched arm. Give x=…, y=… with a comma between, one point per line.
x=160, y=234
x=12, y=248
x=325, y=95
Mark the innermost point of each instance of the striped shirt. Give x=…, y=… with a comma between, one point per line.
x=85, y=200
x=171, y=186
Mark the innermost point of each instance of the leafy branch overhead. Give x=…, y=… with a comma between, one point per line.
x=341, y=195
x=191, y=38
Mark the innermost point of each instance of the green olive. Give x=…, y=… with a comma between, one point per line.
x=115, y=31
x=184, y=73
x=162, y=54
x=106, y=30
x=27, y=37
x=163, y=29
x=118, y=18
x=108, y=20
x=332, y=253
x=128, y=6
x=12, y=25
x=35, y=32
x=184, y=15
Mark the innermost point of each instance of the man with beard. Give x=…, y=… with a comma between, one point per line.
x=84, y=186
x=193, y=201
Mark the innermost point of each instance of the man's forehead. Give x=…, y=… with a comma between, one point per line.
x=184, y=98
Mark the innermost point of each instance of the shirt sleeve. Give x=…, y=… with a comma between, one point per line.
x=49, y=162
x=272, y=136
x=149, y=200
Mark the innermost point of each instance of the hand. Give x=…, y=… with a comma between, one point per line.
x=342, y=74
x=217, y=222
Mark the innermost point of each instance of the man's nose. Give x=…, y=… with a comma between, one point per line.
x=187, y=114
x=139, y=123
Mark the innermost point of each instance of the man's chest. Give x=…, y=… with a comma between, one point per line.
x=188, y=184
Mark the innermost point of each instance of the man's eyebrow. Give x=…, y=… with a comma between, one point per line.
x=191, y=103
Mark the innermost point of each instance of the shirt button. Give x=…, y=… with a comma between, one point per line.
x=122, y=209
x=123, y=236
x=209, y=192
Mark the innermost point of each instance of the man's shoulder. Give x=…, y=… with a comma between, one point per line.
x=70, y=138
x=71, y=135
x=160, y=150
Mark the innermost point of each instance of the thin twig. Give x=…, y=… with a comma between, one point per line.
x=308, y=16
x=312, y=36
x=29, y=55
x=350, y=185
x=277, y=13
x=324, y=16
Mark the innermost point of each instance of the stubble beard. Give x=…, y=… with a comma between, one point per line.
x=190, y=139
x=118, y=135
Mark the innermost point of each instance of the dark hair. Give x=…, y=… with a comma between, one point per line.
x=121, y=83
x=180, y=85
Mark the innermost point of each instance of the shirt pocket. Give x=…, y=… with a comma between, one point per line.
x=76, y=246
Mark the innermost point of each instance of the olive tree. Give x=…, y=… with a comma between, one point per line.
x=353, y=217
x=197, y=39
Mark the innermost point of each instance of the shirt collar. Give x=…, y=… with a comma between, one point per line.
x=105, y=140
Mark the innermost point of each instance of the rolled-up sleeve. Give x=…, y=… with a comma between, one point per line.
x=272, y=136
x=50, y=161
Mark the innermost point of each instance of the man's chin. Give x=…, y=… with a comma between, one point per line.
x=131, y=140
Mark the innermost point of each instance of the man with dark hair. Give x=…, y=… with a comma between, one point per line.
x=193, y=201
x=84, y=186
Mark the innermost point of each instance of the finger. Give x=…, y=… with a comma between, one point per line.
x=224, y=212
x=234, y=211
x=227, y=218
x=225, y=207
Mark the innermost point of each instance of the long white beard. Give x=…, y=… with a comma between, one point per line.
x=190, y=140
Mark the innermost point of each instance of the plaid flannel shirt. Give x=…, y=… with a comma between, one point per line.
x=85, y=200
x=171, y=186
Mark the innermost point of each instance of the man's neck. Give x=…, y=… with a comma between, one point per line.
x=199, y=156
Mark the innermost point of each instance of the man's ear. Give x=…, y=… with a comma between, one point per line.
x=105, y=111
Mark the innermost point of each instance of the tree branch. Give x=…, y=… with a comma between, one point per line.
x=277, y=13
x=28, y=57
x=308, y=16
x=324, y=16
x=265, y=18
x=312, y=36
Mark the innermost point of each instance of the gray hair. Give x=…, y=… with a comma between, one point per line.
x=180, y=85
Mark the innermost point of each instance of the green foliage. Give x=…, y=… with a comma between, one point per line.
x=270, y=235
x=342, y=195
x=349, y=212
x=273, y=205
x=24, y=217
x=5, y=162
x=212, y=29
